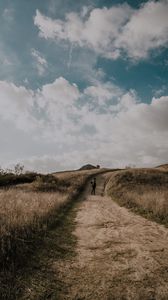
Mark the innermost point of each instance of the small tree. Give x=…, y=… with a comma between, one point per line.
x=18, y=169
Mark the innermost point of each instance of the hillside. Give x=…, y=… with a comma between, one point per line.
x=68, y=244
x=143, y=190
x=163, y=167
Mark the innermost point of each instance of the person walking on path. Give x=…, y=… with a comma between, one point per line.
x=93, y=183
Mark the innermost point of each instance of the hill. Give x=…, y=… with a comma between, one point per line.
x=163, y=167
x=144, y=191
x=88, y=167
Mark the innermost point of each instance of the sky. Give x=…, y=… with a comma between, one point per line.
x=83, y=82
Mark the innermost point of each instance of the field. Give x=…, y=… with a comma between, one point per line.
x=27, y=211
x=145, y=191
x=105, y=251
x=47, y=236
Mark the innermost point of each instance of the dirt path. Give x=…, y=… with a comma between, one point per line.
x=119, y=255
x=116, y=255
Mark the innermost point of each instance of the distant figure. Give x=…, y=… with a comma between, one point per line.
x=93, y=184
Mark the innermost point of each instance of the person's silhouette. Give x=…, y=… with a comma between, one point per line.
x=93, y=183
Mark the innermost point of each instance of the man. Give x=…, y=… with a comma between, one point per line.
x=93, y=183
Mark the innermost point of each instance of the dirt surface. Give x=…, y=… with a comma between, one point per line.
x=119, y=255
x=116, y=255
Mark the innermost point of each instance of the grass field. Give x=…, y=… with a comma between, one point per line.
x=30, y=207
x=143, y=190
x=27, y=211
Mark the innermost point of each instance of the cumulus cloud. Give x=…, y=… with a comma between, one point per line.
x=102, y=124
x=44, y=108
x=103, y=93
x=112, y=32
x=61, y=91
x=16, y=105
x=146, y=30
x=41, y=63
x=97, y=32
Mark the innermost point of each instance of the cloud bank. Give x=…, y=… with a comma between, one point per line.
x=100, y=124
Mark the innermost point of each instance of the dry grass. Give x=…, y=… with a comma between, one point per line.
x=23, y=215
x=155, y=202
x=143, y=190
x=27, y=210
x=163, y=167
x=18, y=208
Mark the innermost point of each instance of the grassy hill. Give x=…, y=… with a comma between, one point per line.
x=143, y=190
x=31, y=204
x=163, y=167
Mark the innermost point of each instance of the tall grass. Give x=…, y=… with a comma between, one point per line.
x=143, y=190
x=152, y=203
x=27, y=210
x=23, y=215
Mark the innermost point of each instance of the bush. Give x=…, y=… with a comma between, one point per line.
x=50, y=183
x=12, y=179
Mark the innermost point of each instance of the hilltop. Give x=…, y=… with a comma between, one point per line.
x=89, y=167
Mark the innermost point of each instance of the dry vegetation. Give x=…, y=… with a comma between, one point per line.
x=23, y=214
x=143, y=190
x=27, y=211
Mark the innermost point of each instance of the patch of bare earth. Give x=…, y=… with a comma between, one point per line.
x=119, y=255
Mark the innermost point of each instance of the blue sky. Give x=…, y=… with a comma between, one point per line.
x=83, y=81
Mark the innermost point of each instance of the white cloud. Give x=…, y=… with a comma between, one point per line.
x=146, y=30
x=161, y=91
x=46, y=107
x=97, y=32
x=102, y=93
x=107, y=97
x=103, y=124
x=112, y=31
x=61, y=91
x=41, y=63
x=16, y=105
x=48, y=27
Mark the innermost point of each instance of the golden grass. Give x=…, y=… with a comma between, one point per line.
x=143, y=190
x=153, y=201
x=23, y=216
x=18, y=208
x=27, y=210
